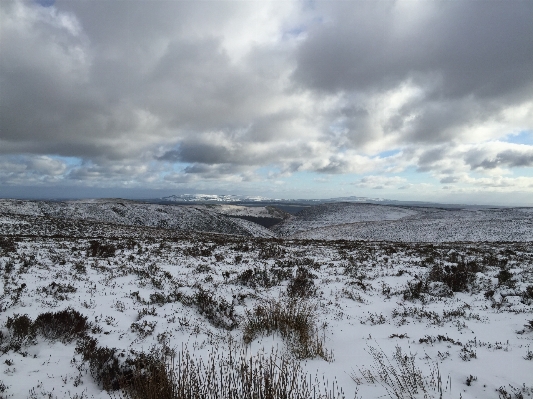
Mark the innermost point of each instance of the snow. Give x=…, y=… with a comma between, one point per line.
x=182, y=218
x=213, y=198
x=360, y=299
x=240, y=210
x=336, y=214
x=408, y=224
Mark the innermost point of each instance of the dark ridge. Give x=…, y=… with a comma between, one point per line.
x=265, y=222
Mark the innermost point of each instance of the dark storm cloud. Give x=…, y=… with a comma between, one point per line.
x=216, y=150
x=429, y=158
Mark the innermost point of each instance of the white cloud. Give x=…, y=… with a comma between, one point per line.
x=147, y=93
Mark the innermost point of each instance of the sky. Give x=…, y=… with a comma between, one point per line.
x=407, y=100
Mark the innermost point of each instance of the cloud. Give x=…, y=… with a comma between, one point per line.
x=150, y=93
x=35, y=170
x=380, y=182
x=472, y=49
x=503, y=155
x=466, y=63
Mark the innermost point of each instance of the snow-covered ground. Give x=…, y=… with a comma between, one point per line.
x=331, y=221
x=348, y=221
x=335, y=214
x=181, y=218
x=141, y=287
x=252, y=211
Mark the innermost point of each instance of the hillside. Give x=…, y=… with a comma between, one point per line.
x=334, y=214
x=408, y=224
x=123, y=212
x=328, y=221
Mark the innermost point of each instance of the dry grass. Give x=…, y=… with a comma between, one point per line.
x=294, y=320
x=233, y=374
x=400, y=376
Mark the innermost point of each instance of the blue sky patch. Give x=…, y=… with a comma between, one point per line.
x=524, y=137
x=390, y=153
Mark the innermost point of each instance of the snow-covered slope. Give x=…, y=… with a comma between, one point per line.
x=331, y=221
x=183, y=218
x=335, y=214
x=413, y=224
x=254, y=229
x=247, y=211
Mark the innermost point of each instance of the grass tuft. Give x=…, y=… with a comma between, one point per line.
x=400, y=376
x=163, y=374
x=294, y=321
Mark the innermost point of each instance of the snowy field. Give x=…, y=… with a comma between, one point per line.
x=408, y=224
x=87, y=308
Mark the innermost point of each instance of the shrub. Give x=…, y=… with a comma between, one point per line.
x=529, y=354
x=457, y=278
x=57, y=290
x=21, y=327
x=271, y=251
x=159, y=298
x=9, y=266
x=467, y=353
x=148, y=376
x=264, y=277
x=254, y=278
x=144, y=328
x=103, y=363
x=3, y=387
x=219, y=313
x=79, y=267
x=504, y=277
x=515, y=392
x=294, y=321
x=101, y=249
x=146, y=312
x=470, y=379
x=302, y=285
x=64, y=325
x=196, y=251
x=414, y=289
x=7, y=245
x=489, y=294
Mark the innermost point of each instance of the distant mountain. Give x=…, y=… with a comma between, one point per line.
x=230, y=198
x=258, y=200
x=214, y=198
